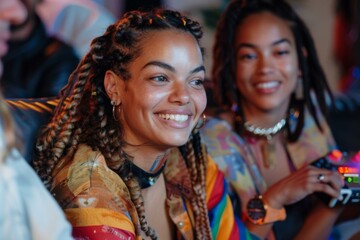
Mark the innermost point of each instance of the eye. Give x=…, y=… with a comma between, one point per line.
x=248, y=56
x=197, y=82
x=282, y=52
x=160, y=78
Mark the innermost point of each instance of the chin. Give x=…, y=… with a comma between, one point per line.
x=177, y=141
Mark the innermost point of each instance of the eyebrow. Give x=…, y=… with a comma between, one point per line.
x=282, y=40
x=170, y=68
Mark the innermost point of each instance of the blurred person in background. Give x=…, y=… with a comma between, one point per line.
x=36, y=65
x=27, y=210
x=76, y=22
x=267, y=76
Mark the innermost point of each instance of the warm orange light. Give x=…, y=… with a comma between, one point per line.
x=335, y=155
x=344, y=170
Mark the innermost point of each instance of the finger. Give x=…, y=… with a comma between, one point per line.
x=327, y=189
x=336, y=180
x=333, y=178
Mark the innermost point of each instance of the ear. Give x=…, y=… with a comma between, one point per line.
x=112, y=84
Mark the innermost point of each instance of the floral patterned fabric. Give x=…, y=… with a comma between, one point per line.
x=97, y=202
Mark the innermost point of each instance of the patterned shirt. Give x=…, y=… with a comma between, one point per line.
x=236, y=156
x=97, y=201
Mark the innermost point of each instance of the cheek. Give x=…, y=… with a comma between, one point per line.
x=289, y=68
x=241, y=79
x=200, y=100
x=244, y=72
x=292, y=73
x=141, y=100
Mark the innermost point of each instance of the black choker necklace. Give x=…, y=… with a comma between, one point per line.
x=144, y=178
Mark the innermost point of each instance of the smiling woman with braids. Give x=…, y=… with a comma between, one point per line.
x=268, y=77
x=108, y=154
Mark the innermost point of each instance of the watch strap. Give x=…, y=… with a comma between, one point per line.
x=273, y=214
x=270, y=214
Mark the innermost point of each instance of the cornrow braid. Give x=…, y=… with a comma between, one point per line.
x=197, y=166
x=84, y=103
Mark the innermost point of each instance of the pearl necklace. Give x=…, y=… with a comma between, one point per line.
x=265, y=132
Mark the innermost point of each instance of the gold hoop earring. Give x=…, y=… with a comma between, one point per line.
x=113, y=103
x=200, y=124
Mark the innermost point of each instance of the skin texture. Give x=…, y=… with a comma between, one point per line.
x=168, y=82
x=266, y=66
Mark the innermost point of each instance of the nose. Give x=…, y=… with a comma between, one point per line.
x=180, y=94
x=265, y=64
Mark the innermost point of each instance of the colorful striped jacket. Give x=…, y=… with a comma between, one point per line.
x=96, y=200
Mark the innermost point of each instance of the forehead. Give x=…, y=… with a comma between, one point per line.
x=163, y=44
x=263, y=28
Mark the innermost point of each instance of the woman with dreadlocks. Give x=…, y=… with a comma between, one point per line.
x=267, y=75
x=117, y=154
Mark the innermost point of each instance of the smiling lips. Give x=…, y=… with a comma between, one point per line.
x=174, y=117
x=267, y=87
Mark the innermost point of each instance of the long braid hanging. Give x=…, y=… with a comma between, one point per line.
x=136, y=197
x=197, y=168
x=112, y=51
x=60, y=132
x=202, y=166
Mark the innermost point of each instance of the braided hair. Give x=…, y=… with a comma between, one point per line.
x=223, y=72
x=84, y=103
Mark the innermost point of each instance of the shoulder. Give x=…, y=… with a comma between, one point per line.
x=221, y=141
x=85, y=173
x=313, y=143
x=95, y=199
x=215, y=130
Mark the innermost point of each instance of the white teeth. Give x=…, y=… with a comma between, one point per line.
x=175, y=117
x=266, y=85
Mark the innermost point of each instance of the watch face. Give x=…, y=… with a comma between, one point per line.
x=256, y=210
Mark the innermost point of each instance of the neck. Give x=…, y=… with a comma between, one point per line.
x=147, y=158
x=144, y=164
x=264, y=119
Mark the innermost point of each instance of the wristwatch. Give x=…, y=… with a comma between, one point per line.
x=259, y=212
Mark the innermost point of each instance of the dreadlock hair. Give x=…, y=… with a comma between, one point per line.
x=84, y=113
x=223, y=72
